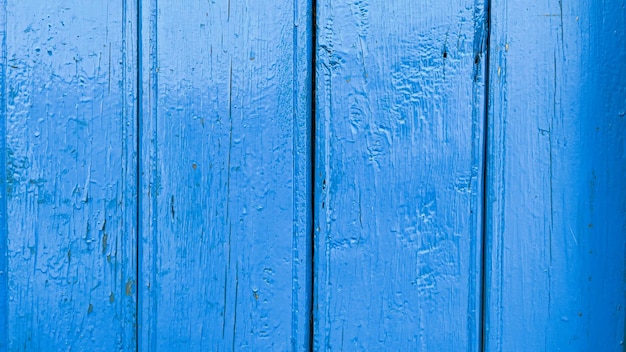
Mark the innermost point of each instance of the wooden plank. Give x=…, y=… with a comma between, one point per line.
x=400, y=116
x=3, y=194
x=68, y=180
x=557, y=167
x=225, y=175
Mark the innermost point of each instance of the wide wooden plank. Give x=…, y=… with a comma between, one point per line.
x=225, y=175
x=557, y=176
x=399, y=138
x=68, y=175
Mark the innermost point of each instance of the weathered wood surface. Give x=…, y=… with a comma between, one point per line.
x=399, y=148
x=177, y=135
x=68, y=226
x=557, y=176
x=225, y=226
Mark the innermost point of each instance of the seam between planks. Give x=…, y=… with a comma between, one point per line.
x=313, y=150
x=138, y=183
x=485, y=188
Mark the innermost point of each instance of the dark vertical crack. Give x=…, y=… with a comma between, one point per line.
x=139, y=171
x=138, y=183
x=485, y=191
x=313, y=149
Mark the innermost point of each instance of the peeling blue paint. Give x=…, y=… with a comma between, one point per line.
x=68, y=136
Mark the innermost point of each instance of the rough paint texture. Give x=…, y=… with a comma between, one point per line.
x=68, y=213
x=178, y=134
x=557, y=176
x=225, y=150
x=400, y=113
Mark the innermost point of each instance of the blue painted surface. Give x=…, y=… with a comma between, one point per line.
x=557, y=176
x=68, y=175
x=399, y=150
x=225, y=175
x=179, y=137
x=3, y=202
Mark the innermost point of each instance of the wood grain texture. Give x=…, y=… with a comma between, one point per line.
x=68, y=175
x=399, y=140
x=3, y=194
x=225, y=150
x=556, y=176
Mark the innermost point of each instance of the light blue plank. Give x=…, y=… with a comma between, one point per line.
x=399, y=138
x=68, y=218
x=225, y=182
x=557, y=176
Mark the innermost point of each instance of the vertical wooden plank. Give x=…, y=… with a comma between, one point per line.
x=3, y=195
x=69, y=172
x=556, y=176
x=400, y=114
x=225, y=175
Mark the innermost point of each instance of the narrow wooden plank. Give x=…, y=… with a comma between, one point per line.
x=400, y=114
x=69, y=231
x=3, y=195
x=556, y=176
x=225, y=175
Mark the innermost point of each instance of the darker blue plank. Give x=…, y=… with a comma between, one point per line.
x=556, y=177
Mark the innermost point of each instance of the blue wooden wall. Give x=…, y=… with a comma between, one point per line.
x=312, y=175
